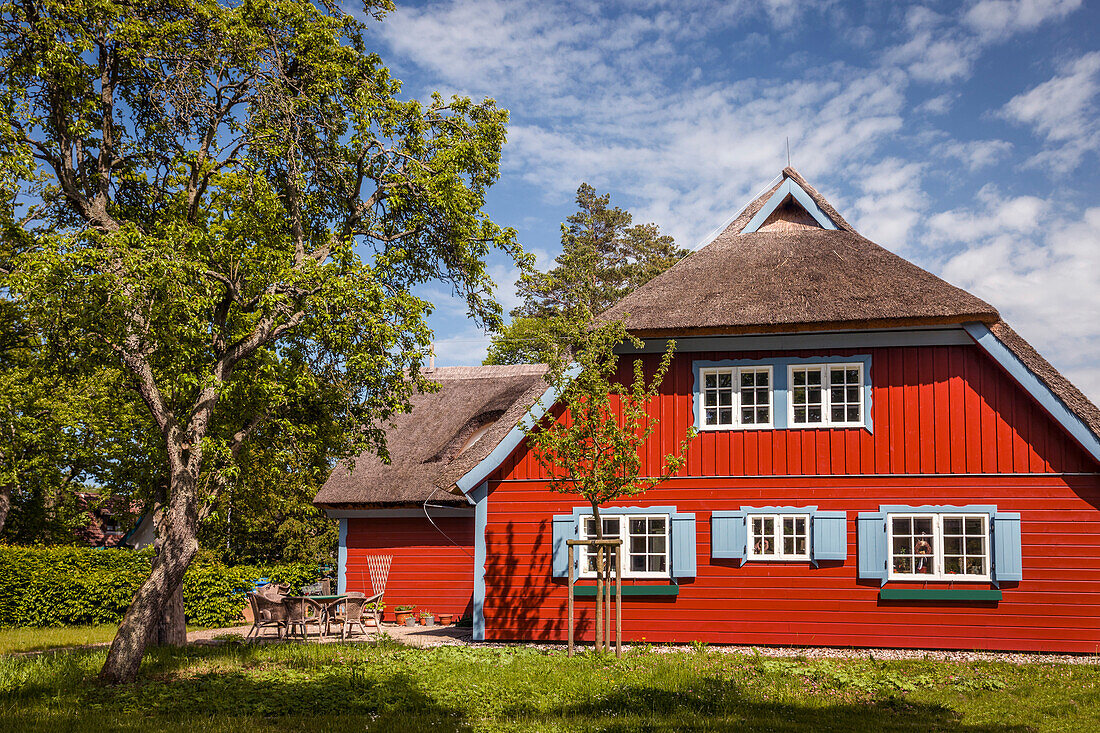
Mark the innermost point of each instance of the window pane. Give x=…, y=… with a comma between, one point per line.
x=725, y=379
x=657, y=544
x=814, y=415
x=800, y=414
x=637, y=563
x=657, y=525
x=711, y=380
x=976, y=566
x=814, y=376
x=815, y=395
x=952, y=525
x=762, y=378
x=725, y=417
x=725, y=399
x=637, y=526
x=903, y=565
x=656, y=563
x=853, y=414
x=611, y=527
x=838, y=414
x=974, y=525
x=975, y=546
x=836, y=394
x=712, y=399
x=799, y=379
x=903, y=545
x=712, y=417
x=746, y=379
x=637, y=544
x=902, y=525
x=762, y=414
x=853, y=394
x=590, y=527
x=952, y=565
x=853, y=376
x=788, y=545
x=952, y=545
x=747, y=416
x=922, y=525
x=800, y=545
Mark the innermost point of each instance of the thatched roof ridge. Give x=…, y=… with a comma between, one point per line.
x=444, y=435
x=795, y=280
x=743, y=219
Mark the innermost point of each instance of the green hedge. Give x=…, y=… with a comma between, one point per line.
x=64, y=586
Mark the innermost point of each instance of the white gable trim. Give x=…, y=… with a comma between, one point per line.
x=476, y=475
x=789, y=187
x=1036, y=387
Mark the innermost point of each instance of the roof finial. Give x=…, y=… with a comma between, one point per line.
x=788, y=152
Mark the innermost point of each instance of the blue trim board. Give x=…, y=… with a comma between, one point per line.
x=990, y=509
x=612, y=511
x=515, y=436
x=780, y=389
x=792, y=189
x=953, y=336
x=481, y=517
x=342, y=559
x=1035, y=386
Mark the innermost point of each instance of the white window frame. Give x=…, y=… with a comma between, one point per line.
x=624, y=535
x=937, y=547
x=826, y=369
x=777, y=538
x=735, y=380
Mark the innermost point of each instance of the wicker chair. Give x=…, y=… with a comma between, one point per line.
x=301, y=613
x=348, y=612
x=266, y=613
x=274, y=591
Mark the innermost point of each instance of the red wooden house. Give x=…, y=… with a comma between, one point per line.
x=881, y=461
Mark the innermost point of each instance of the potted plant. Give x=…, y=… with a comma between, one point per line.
x=445, y=619
x=402, y=614
x=427, y=618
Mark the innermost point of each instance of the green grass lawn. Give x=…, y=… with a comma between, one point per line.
x=392, y=688
x=32, y=639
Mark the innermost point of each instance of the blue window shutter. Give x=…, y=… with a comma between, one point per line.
x=871, y=528
x=728, y=536
x=565, y=528
x=830, y=536
x=1007, y=549
x=683, y=545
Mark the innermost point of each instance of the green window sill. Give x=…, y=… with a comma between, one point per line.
x=630, y=590
x=938, y=594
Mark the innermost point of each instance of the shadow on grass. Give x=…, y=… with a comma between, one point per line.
x=717, y=705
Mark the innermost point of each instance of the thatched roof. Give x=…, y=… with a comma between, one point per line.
x=793, y=280
x=446, y=433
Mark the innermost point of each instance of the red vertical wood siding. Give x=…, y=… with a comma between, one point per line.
x=427, y=570
x=1055, y=608
x=935, y=410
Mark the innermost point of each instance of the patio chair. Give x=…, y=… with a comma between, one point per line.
x=266, y=614
x=274, y=591
x=348, y=612
x=302, y=613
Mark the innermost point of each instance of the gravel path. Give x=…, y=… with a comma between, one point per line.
x=432, y=636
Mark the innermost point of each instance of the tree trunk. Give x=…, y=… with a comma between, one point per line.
x=155, y=601
x=5, y=504
x=171, y=627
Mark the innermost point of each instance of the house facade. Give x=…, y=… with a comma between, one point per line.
x=880, y=461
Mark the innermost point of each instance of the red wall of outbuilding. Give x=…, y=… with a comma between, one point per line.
x=428, y=570
x=950, y=427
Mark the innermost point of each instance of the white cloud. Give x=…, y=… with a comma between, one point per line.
x=977, y=154
x=891, y=203
x=1001, y=18
x=1063, y=110
x=1039, y=270
x=938, y=105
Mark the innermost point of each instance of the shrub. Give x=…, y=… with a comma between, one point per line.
x=64, y=586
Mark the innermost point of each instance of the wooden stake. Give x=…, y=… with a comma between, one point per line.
x=618, y=601
x=571, y=548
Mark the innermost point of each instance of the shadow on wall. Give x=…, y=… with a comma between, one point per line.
x=518, y=592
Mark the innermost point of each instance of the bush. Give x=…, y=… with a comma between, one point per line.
x=65, y=586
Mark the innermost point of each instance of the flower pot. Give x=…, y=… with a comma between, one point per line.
x=410, y=621
x=427, y=620
x=402, y=617
x=445, y=619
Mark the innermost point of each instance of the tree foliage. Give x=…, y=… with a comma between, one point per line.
x=229, y=204
x=604, y=258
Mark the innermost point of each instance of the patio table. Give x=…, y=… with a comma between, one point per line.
x=323, y=603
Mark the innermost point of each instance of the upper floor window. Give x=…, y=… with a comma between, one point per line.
x=826, y=395
x=737, y=397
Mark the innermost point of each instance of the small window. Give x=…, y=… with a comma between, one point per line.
x=737, y=397
x=645, y=544
x=826, y=396
x=779, y=537
x=938, y=546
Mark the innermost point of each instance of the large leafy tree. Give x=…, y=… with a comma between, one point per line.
x=604, y=257
x=229, y=204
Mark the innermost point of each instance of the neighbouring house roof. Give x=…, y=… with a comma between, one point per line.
x=444, y=435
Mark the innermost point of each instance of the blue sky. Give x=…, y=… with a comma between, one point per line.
x=962, y=136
